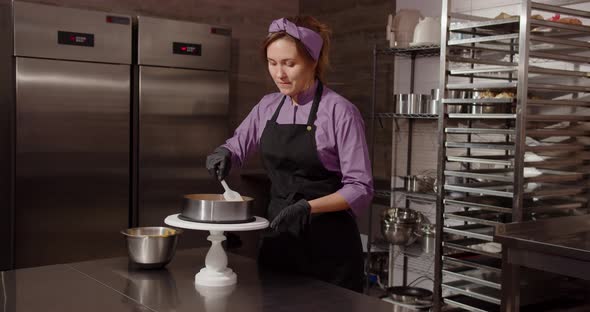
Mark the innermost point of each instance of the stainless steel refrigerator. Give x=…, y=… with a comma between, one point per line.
x=64, y=134
x=180, y=115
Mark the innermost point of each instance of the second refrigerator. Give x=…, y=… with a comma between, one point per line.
x=180, y=114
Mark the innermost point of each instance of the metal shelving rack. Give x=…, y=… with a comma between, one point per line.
x=527, y=160
x=413, y=53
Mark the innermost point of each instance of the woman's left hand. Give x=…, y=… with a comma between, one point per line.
x=292, y=218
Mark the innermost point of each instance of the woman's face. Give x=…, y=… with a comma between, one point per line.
x=291, y=72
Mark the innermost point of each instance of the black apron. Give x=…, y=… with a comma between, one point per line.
x=329, y=248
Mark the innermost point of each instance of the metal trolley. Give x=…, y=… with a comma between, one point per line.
x=514, y=140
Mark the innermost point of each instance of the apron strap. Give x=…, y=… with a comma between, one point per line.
x=316, y=104
x=276, y=114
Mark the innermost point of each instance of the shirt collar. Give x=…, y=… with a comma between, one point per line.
x=307, y=95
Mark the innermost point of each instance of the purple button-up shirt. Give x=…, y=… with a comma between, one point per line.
x=340, y=139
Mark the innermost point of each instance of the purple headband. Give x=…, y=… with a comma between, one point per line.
x=311, y=40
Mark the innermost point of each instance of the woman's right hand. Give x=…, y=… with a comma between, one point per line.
x=219, y=163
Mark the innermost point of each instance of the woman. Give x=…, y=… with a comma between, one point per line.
x=314, y=149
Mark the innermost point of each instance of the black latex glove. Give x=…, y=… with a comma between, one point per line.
x=219, y=163
x=293, y=218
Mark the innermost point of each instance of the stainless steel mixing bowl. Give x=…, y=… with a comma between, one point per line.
x=398, y=225
x=212, y=208
x=151, y=247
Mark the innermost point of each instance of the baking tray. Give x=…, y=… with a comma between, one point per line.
x=549, y=132
x=482, y=85
x=507, y=175
x=479, y=231
x=495, y=25
x=482, y=145
x=479, y=101
x=473, y=290
x=559, y=102
x=486, y=217
x=491, y=203
x=559, y=9
x=480, y=131
x=501, y=175
x=500, y=190
x=474, y=261
x=483, y=39
x=505, y=160
x=482, y=116
x=571, y=117
x=474, y=245
x=477, y=276
x=471, y=304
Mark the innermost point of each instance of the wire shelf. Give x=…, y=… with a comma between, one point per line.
x=418, y=51
x=410, y=116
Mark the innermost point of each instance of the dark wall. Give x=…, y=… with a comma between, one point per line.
x=357, y=26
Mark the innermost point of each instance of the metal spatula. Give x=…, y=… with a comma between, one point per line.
x=230, y=195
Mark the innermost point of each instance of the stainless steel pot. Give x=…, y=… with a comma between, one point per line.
x=403, y=102
x=151, y=247
x=213, y=208
x=420, y=104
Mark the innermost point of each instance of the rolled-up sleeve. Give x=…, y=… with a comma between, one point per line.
x=355, y=165
x=246, y=138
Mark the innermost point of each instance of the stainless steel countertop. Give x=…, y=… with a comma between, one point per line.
x=564, y=237
x=114, y=285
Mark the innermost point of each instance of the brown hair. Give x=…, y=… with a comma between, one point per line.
x=323, y=62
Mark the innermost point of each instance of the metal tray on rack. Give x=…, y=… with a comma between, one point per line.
x=482, y=85
x=474, y=245
x=475, y=261
x=471, y=304
x=477, y=276
x=482, y=145
x=482, y=188
x=473, y=290
x=479, y=231
x=507, y=175
x=495, y=25
x=479, y=131
x=491, y=203
x=479, y=101
x=486, y=217
x=504, y=160
x=494, y=38
x=482, y=116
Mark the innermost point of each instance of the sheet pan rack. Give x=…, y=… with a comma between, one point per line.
x=514, y=138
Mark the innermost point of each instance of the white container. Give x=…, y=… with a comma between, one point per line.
x=427, y=32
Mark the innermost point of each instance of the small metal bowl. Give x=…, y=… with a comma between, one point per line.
x=151, y=247
x=213, y=208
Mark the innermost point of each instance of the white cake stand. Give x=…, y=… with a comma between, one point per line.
x=216, y=273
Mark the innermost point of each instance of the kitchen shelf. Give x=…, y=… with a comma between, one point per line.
x=530, y=162
x=483, y=39
x=558, y=9
x=478, y=101
x=479, y=231
x=496, y=24
x=483, y=159
x=476, y=276
x=476, y=246
x=473, y=290
x=479, y=131
x=481, y=116
x=507, y=146
x=412, y=116
x=475, y=261
x=484, y=217
x=418, y=51
x=471, y=304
